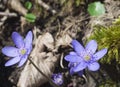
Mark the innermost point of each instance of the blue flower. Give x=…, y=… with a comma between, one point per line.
x=57, y=78
x=85, y=57
x=18, y=54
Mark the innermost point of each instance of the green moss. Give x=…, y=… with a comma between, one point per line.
x=108, y=83
x=108, y=37
x=117, y=21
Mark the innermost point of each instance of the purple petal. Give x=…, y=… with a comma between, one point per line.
x=10, y=51
x=28, y=39
x=17, y=39
x=23, y=60
x=99, y=54
x=12, y=61
x=72, y=58
x=70, y=64
x=80, y=66
x=57, y=78
x=77, y=46
x=72, y=53
x=80, y=73
x=29, y=50
x=94, y=66
x=91, y=46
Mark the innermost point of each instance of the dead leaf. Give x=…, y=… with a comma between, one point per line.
x=30, y=77
x=65, y=40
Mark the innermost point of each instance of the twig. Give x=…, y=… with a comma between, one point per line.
x=47, y=7
x=61, y=61
x=7, y=14
x=2, y=20
x=50, y=81
x=85, y=78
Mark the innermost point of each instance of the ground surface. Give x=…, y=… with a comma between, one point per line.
x=63, y=21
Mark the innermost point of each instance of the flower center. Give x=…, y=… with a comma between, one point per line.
x=87, y=57
x=23, y=51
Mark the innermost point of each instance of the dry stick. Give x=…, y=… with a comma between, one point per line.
x=61, y=61
x=7, y=14
x=47, y=7
x=50, y=81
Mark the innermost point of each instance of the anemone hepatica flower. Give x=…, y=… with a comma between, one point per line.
x=18, y=54
x=57, y=78
x=85, y=57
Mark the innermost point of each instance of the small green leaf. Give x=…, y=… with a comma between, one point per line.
x=30, y=17
x=96, y=9
x=30, y=20
x=28, y=5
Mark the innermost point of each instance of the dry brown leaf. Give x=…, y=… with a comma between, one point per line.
x=30, y=77
x=48, y=41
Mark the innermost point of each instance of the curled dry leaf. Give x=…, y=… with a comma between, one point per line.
x=64, y=40
x=48, y=41
x=30, y=77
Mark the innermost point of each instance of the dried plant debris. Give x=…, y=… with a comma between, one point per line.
x=17, y=6
x=30, y=77
x=46, y=61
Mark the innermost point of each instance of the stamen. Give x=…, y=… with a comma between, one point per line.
x=23, y=51
x=87, y=57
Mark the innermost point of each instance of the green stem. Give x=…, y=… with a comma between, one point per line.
x=50, y=81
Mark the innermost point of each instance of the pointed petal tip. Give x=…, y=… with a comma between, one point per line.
x=17, y=39
x=6, y=65
x=101, y=53
x=14, y=33
x=77, y=46
x=30, y=34
x=93, y=41
x=91, y=46
x=105, y=49
x=28, y=39
x=67, y=58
